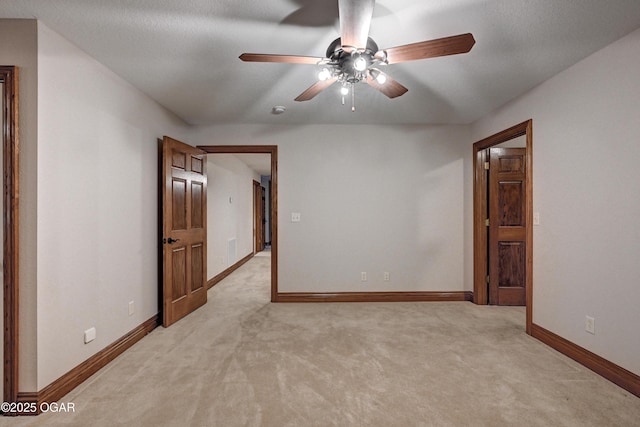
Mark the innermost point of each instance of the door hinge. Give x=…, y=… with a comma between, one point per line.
x=486, y=222
x=487, y=278
x=486, y=166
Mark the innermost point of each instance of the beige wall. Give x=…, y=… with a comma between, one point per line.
x=97, y=204
x=374, y=199
x=585, y=184
x=19, y=47
x=229, y=211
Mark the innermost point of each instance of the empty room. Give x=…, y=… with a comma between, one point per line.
x=320, y=213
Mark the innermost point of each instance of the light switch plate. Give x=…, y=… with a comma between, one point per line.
x=590, y=325
x=536, y=218
x=89, y=335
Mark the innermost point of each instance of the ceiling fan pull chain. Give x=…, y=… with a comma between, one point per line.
x=353, y=98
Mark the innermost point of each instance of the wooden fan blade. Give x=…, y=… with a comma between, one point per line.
x=355, y=21
x=391, y=87
x=315, y=89
x=428, y=49
x=291, y=59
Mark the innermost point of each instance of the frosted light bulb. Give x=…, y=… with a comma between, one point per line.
x=360, y=64
x=324, y=74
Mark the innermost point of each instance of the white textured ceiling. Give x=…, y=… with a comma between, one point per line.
x=260, y=163
x=184, y=53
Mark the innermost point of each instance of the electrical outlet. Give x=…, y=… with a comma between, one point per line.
x=387, y=276
x=590, y=325
x=363, y=276
x=131, y=308
x=295, y=216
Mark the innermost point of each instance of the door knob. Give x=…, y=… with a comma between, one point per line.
x=170, y=240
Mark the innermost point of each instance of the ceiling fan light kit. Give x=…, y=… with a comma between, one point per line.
x=354, y=57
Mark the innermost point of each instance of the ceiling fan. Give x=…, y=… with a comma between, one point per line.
x=355, y=57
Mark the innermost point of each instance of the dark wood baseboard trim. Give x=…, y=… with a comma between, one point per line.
x=30, y=400
x=218, y=277
x=374, y=296
x=63, y=385
x=614, y=373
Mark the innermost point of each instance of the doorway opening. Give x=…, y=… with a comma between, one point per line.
x=271, y=199
x=518, y=239
x=9, y=88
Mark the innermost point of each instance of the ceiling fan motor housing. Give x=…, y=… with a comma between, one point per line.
x=342, y=62
x=336, y=47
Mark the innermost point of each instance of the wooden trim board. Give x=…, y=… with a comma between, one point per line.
x=373, y=296
x=76, y=376
x=609, y=370
x=218, y=277
x=10, y=149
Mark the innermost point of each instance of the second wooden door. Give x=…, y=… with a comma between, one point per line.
x=507, y=227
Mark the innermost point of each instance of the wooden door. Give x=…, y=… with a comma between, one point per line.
x=258, y=209
x=507, y=227
x=184, y=210
x=263, y=216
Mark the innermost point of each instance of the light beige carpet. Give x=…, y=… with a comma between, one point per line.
x=242, y=361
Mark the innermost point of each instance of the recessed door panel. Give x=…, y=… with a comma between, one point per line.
x=179, y=203
x=197, y=206
x=197, y=267
x=197, y=165
x=511, y=202
x=179, y=287
x=178, y=160
x=510, y=164
x=511, y=264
